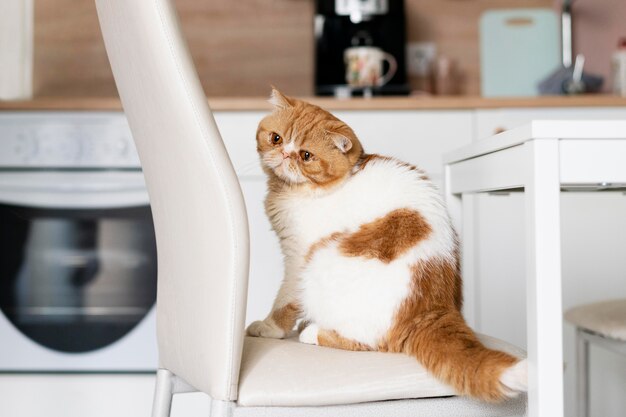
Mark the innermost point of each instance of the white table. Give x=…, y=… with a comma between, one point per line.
x=540, y=158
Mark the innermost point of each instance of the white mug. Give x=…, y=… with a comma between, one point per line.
x=364, y=66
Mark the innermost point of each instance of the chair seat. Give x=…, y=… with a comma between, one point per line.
x=606, y=318
x=286, y=373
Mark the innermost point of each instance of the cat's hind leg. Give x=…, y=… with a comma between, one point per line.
x=313, y=335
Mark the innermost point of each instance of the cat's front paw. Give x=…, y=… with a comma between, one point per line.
x=309, y=335
x=265, y=328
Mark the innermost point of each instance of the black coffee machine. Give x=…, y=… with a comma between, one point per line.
x=340, y=24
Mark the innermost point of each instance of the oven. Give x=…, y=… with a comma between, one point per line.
x=78, y=265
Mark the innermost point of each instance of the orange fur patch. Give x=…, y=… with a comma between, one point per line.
x=286, y=316
x=387, y=237
x=322, y=243
x=330, y=338
x=430, y=327
x=367, y=158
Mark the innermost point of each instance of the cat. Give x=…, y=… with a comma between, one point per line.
x=371, y=258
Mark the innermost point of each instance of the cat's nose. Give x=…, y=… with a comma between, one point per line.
x=285, y=155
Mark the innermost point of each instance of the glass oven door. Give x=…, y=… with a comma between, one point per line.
x=76, y=276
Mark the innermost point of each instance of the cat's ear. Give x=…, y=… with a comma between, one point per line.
x=279, y=100
x=341, y=141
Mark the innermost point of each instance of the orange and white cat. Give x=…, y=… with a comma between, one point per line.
x=371, y=258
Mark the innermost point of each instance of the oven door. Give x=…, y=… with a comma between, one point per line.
x=78, y=272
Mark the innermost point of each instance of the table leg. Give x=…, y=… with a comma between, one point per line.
x=582, y=374
x=543, y=269
x=471, y=299
x=461, y=209
x=453, y=201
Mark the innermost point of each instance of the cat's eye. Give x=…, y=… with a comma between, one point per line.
x=276, y=139
x=306, y=155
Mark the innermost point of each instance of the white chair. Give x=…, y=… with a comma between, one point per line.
x=603, y=324
x=202, y=239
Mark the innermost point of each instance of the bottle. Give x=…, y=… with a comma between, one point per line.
x=619, y=68
x=445, y=76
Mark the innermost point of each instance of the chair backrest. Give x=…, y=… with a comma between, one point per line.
x=199, y=214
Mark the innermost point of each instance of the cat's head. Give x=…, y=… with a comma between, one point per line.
x=303, y=144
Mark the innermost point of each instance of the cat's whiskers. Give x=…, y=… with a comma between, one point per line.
x=272, y=161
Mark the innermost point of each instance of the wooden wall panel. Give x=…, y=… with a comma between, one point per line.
x=454, y=26
x=240, y=47
x=69, y=53
x=598, y=25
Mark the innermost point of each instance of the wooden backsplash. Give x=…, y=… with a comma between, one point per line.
x=240, y=47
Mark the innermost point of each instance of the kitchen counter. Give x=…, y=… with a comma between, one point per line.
x=378, y=103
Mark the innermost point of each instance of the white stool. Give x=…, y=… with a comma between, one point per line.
x=603, y=323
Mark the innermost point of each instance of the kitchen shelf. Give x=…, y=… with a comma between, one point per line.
x=376, y=103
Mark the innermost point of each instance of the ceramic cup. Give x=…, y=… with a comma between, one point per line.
x=364, y=66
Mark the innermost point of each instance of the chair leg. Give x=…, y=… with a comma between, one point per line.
x=163, y=392
x=582, y=373
x=221, y=408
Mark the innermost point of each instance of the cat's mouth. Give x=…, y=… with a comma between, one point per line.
x=284, y=168
x=290, y=173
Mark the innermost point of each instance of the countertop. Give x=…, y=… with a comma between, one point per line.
x=377, y=103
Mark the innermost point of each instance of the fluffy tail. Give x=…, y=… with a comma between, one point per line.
x=444, y=344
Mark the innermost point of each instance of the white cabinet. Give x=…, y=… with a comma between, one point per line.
x=489, y=122
x=238, y=129
x=266, y=261
x=417, y=137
